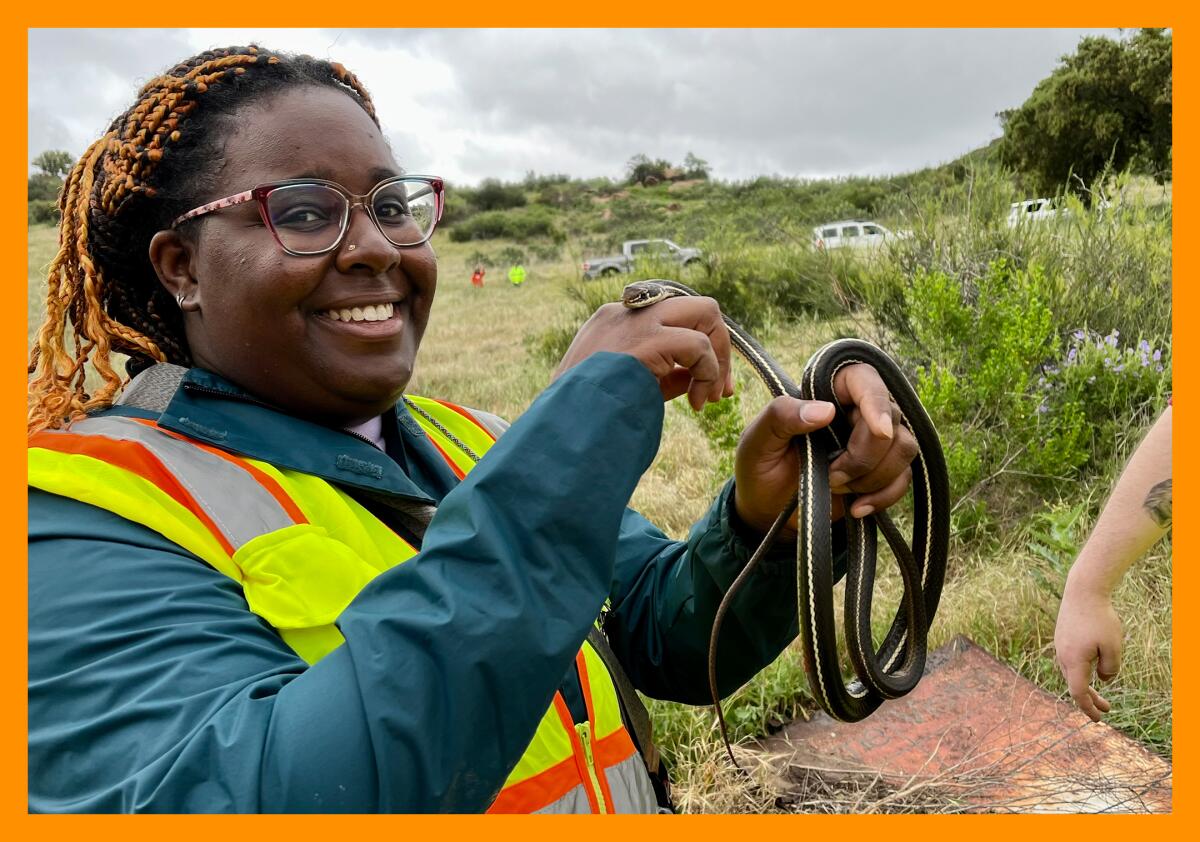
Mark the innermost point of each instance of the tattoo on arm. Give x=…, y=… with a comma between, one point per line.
x=1158, y=503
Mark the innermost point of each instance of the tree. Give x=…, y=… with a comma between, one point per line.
x=1108, y=104
x=641, y=170
x=55, y=162
x=694, y=167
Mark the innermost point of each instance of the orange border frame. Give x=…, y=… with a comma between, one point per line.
x=541, y=13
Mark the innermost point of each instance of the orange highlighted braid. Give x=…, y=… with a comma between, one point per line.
x=151, y=165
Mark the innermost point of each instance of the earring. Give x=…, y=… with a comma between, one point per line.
x=179, y=300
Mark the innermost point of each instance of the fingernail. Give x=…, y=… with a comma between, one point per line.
x=885, y=422
x=863, y=511
x=815, y=412
x=838, y=479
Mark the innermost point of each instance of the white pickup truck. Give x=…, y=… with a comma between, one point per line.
x=1034, y=210
x=631, y=250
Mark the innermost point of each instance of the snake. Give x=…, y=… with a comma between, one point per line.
x=894, y=668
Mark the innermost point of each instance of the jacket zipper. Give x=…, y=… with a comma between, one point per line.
x=584, y=730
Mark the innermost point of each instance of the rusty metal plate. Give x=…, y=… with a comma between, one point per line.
x=986, y=740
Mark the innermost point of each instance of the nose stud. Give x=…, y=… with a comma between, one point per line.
x=351, y=247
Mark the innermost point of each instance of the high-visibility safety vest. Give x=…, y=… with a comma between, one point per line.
x=302, y=549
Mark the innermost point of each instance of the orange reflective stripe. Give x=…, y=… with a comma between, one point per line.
x=466, y=415
x=135, y=458
x=585, y=685
x=458, y=472
x=611, y=750
x=577, y=749
x=266, y=481
x=542, y=789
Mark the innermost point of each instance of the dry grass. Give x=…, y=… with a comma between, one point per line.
x=1003, y=596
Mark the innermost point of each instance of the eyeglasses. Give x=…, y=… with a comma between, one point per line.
x=310, y=216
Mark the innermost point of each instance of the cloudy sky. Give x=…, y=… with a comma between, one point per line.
x=469, y=104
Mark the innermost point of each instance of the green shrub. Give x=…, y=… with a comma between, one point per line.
x=1100, y=378
x=493, y=194
x=1019, y=408
x=43, y=211
x=721, y=424
x=520, y=225
x=43, y=186
x=511, y=256
x=757, y=284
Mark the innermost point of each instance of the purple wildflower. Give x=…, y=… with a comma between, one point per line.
x=1157, y=356
x=1071, y=355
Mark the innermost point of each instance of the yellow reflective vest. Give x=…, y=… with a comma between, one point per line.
x=302, y=549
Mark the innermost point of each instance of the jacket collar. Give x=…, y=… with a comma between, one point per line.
x=206, y=407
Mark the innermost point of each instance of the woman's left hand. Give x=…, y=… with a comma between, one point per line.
x=875, y=464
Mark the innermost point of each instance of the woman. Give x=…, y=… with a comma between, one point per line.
x=219, y=619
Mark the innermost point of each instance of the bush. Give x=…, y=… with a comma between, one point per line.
x=511, y=256
x=517, y=225
x=458, y=206
x=721, y=424
x=44, y=187
x=1019, y=408
x=758, y=283
x=493, y=194
x=43, y=211
x=1099, y=377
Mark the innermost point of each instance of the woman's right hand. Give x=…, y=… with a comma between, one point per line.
x=683, y=341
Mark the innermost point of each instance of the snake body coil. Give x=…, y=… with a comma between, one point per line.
x=896, y=666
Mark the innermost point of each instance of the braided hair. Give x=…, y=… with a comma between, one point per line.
x=155, y=162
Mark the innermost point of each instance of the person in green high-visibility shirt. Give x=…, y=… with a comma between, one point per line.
x=516, y=275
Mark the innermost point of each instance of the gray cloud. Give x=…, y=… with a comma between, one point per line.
x=80, y=79
x=478, y=103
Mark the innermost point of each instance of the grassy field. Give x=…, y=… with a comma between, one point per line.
x=493, y=348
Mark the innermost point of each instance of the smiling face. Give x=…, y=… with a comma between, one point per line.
x=331, y=337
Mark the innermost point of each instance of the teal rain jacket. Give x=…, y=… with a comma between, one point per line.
x=152, y=687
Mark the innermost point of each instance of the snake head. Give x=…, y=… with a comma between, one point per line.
x=644, y=293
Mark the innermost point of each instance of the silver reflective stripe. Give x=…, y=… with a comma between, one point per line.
x=494, y=424
x=629, y=783
x=575, y=801
x=237, y=503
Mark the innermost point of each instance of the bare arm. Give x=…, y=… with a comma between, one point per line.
x=1136, y=515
